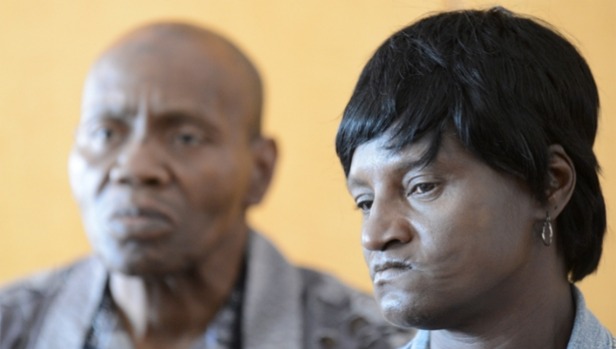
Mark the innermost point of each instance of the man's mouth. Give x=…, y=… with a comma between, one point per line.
x=139, y=223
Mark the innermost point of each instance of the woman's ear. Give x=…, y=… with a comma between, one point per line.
x=561, y=180
x=265, y=154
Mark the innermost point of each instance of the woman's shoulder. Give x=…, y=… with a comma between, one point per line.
x=587, y=331
x=420, y=341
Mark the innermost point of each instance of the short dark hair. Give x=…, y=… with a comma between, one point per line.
x=508, y=87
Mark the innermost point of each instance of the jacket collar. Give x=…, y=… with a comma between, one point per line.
x=70, y=315
x=272, y=314
x=586, y=328
x=272, y=310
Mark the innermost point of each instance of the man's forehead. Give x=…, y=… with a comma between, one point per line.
x=187, y=67
x=176, y=68
x=116, y=84
x=152, y=99
x=178, y=46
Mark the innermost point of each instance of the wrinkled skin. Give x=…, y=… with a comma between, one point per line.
x=162, y=165
x=168, y=157
x=454, y=246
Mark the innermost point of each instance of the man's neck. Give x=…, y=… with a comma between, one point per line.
x=171, y=311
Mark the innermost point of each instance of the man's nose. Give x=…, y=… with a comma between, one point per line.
x=385, y=227
x=140, y=162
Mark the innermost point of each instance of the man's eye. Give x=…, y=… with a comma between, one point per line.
x=101, y=136
x=103, y=133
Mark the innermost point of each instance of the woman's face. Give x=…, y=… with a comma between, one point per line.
x=445, y=242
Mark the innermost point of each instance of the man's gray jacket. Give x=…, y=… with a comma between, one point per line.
x=284, y=307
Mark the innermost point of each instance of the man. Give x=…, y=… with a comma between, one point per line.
x=168, y=157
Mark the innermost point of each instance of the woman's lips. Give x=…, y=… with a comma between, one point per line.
x=389, y=271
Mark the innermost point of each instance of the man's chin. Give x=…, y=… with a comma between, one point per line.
x=141, y=268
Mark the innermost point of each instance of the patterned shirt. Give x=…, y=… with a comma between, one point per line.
x=223, y=332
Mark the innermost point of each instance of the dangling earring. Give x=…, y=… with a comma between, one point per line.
x=547, y=233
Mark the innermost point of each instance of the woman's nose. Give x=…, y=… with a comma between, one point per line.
x=386, y=226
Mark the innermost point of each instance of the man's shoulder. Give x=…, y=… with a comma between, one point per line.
x=30, y=289
x=24, y=301
x=37, y=285
x=345, y=316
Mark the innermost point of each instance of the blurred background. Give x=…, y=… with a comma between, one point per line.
x=310, y=54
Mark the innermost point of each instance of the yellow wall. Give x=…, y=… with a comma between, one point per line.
x=310, y=53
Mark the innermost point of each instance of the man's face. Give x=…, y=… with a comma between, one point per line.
x=446, y=241
x=161, y=166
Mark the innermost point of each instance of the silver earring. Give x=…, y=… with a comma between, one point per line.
x=547, y=232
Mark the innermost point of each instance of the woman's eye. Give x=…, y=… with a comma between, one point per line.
x=188, y=138
x=364, y=205
x=423, y=188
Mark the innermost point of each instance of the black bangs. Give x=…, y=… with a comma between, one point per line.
x=405, y=98
x=508, y=88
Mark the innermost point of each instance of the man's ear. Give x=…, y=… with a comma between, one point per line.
x=561, y=180
x=265, y=154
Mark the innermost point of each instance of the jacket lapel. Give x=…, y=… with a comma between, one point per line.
x=70, y=316
x=272, y=316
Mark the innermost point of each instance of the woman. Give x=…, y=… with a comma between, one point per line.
x=467, y=145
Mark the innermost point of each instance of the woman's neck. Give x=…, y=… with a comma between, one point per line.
x=539, y=314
